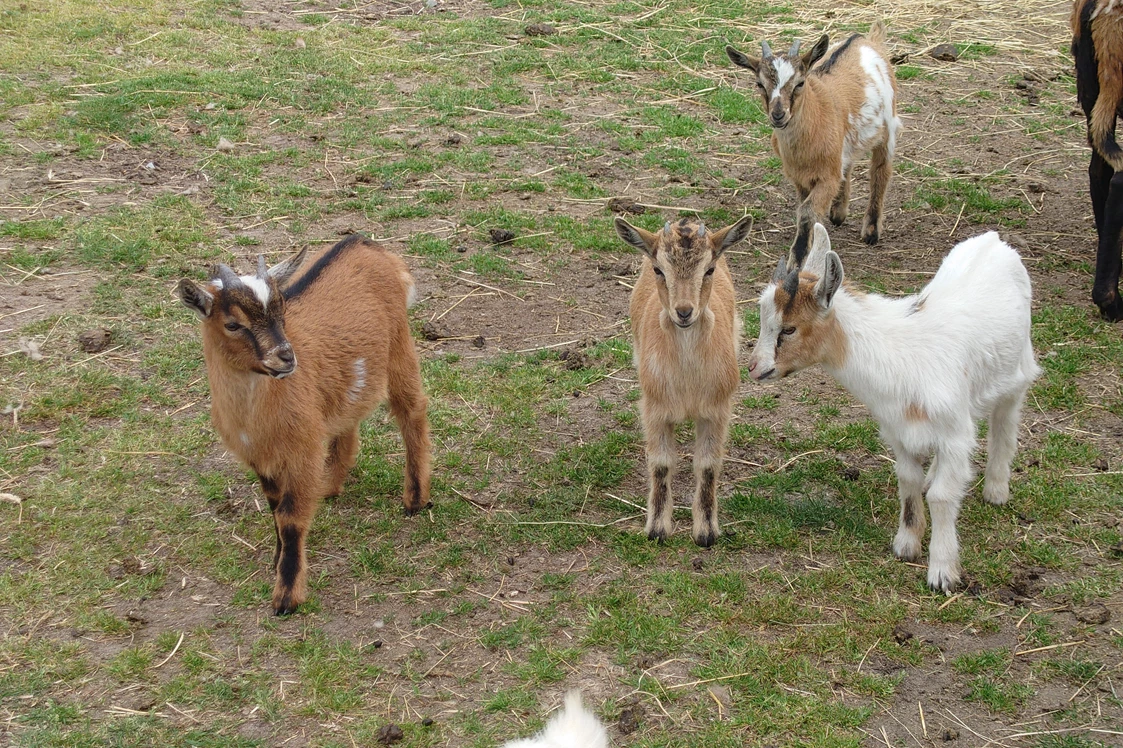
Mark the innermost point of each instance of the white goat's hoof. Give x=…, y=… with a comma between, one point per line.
x=906, y=546
x=997, y=494
x=943, y=578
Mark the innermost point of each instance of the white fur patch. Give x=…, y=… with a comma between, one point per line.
x=259, y=287
x=245, y=438
x=359, y=368
x=784, y=73
x=572, y=727
x=411, y=295
x=875, y=113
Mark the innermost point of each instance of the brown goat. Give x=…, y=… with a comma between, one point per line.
x=345, y=321
x=687, y=332
x=1097, y=50
x=826, y=116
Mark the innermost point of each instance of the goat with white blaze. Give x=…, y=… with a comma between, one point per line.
x=687, y=333
x=824, y=118
x=927, y=366
x=295, y=363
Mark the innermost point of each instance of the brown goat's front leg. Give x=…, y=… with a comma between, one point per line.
x=812, y=210
x=414, y=423
x=709, y=448
x=881, y=170
x=293, y=517
x=661, y=459
x=273, y=495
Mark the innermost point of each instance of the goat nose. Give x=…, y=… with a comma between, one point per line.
x=684, y=312
x=285, y=354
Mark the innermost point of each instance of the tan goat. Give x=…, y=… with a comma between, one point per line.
x=686, y=330
x=297, y=427
x=823, y=119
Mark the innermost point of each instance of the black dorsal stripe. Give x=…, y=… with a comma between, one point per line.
x=305, y=281
x=825, y=68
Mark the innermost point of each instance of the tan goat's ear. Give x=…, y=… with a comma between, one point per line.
x=816, y=53
x=196, y=298
x=723, y=239
x=741, y=59
x=645, y=241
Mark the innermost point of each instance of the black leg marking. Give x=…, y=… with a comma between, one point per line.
x=799, y=248
x=658, y=500
x=286, y=506
x=290, y=566
x=908, y=514
x=1105, y=290
x=707, y=502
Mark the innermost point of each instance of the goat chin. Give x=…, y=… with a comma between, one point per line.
x=573, y=727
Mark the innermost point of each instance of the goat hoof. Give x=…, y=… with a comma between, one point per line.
x=411, y=511
x=1112, y=310
x=286, y=607
x=943, y=581
x=997, y=495
x=838, y=220
x=706, y=539
x=870, y=236
x=658, y=536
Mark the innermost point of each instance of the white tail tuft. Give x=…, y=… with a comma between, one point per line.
x=573, y=727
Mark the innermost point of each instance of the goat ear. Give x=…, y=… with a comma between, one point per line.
x=741, y=59
x=282, y=271
x=196, y=298
x=829, y=281
x=644, y=241
x=817, y=252
x=725, y=238
x=816, y=53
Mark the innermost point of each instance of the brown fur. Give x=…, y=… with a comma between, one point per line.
x=689, y=373
x=300, y=434
x=915, y=413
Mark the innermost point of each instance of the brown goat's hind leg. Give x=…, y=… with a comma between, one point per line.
x=341, y=459
x=840, y=208
x=273, y=496
x=814, y=209
x=409, y=407
x=1105, y=290
x=881, y=170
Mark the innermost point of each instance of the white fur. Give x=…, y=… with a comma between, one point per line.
x=784, y=73
x=876, y=111
x=958, y=351
x=259, y=287
x=359, y=369
x=572, y=727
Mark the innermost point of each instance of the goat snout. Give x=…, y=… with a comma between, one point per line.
x=779, y=117
x=684, y=313
x=281, y=361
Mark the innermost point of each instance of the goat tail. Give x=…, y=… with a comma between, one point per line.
x=573, y=727
x=1107, y=40
x=878, y=34
x=411, y=289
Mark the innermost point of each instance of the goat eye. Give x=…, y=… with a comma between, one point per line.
x=233, y=326
x=709, y=272
x=657, y=271
x=798, y=86
x=787, y=331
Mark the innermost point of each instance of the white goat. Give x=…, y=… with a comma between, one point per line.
x=572, y=727
x=824, y=117
x=927, y=366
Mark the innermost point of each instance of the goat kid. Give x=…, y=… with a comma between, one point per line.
x=686, y=331
x=573, y=727
x=927, y=366
x=1097, y=50
x=823, y=119
x=297, y=426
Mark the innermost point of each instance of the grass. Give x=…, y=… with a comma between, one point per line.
x=134, y=578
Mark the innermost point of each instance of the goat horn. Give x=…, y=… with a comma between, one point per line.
x=791, y=283
x=228, y=277
x=765, y=49
x=667, y=228
x=262, y=270
x=795, y=49
x=701, y=230
x=781, y=270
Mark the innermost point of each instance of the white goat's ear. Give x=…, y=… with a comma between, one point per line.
x=816, y=53
x=282, y=271
x=817, y=252
x=645, y=241
x=829, y=281
x=723, y=239
x=196, y=298
x=740, y=59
